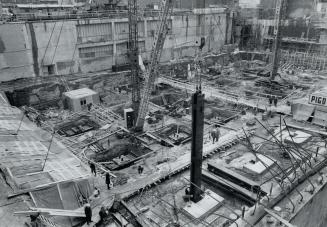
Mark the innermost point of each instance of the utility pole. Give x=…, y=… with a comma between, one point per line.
x=200, y=4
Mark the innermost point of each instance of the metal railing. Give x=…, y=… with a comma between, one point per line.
x=69, y=14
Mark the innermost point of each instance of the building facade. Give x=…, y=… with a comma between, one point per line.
x=60, y=47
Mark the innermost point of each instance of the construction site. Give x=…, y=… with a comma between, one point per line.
x=165, y=113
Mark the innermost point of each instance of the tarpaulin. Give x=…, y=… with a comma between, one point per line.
x=302, y=112
x=65, y=196
x=48, y=198
x=69, y=196
x=320, y=118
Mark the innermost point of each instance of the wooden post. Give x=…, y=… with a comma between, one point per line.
x=49, y=147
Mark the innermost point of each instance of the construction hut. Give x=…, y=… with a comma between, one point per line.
x=80, y=99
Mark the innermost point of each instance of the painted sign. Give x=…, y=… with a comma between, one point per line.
x=318, y=100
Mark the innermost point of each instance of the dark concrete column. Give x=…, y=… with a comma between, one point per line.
x=200, y=4
x=197, y=145
x=35, y=50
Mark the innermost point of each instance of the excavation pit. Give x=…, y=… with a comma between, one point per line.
x=78, y=126
x=174, y=134
x=219, y=115
x=117, y=151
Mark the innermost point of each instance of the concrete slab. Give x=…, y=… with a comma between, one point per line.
x=13, y=125
x=8, y=111
x=259, y=167
x=210, y=202
x=299, y=137
x=23, y=148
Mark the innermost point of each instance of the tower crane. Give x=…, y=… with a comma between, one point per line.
x=279, y=15
x=151, y=72
x=133, y=54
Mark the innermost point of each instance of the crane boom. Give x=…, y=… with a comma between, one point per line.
x=133, y=53
x=156, y=51
x=279, y=14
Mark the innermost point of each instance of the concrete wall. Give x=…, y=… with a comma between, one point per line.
x=295, y=8
x=89, y=45
x=16, y=60
x=190, y=4
x=55, y=44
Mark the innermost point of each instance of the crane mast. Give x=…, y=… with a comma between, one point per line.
x=133, y=54
x=279, y=14
x=156, y=51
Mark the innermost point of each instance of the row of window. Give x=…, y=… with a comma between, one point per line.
x=107, y=50
x=83, y=102
x=98, y=51
x=104, y=31
x=29, y=1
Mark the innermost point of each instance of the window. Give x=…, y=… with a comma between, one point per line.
x=83, y=102
x=51, y=69
x=48, y=69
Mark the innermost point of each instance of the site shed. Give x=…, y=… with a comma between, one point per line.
x=80, y=99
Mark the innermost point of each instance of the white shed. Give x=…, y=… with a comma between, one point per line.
x=78, y=100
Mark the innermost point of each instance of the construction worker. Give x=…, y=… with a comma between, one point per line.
x=38, y=121
x=270, y=100
x=34, y=220
x=140, y=169
x=89, y=106
x=96, y=192
x=88, y=213
x=215, y=134
x=275, y=101
x=102, y=214
x=92, y=167
x=108, y=180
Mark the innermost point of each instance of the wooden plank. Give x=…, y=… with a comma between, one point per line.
x=53, y=212
x=122, y=221
x=279, y=218
x=307, y=129
x=33, y=199
x=29, y=212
